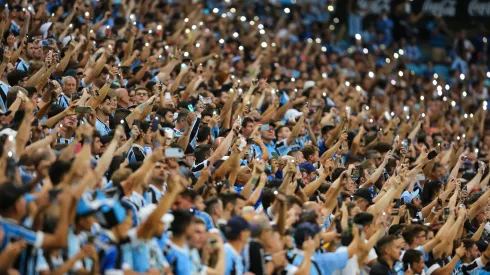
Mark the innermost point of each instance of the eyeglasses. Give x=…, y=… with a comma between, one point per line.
x=422, y=236
x=142, y=94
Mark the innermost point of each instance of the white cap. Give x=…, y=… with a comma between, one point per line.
x=292, y=115
x=8, y=131
x=308, y=84
x=146, y=211
x=44, y=29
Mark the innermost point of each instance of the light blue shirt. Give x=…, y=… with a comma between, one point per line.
x=63, y=100
x=327, y=263
x=234, y=261
x=101, y=127
x=178, y=258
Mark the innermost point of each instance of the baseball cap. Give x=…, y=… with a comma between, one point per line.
x=363, y=218
x=146, y=211
x=408, y=197
x=308, y=167
x=305, y=230
x=364, y=193
x=235, y=226
x=10, y=192
x=292, y=115
x=308, y=84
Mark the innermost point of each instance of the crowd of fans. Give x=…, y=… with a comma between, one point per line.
x=241, y=137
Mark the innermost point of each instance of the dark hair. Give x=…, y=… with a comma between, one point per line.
x=246, y=121
x=201, y=152
x=383, y=243
x=411, y=256
x=210, y=205
x=144, y=126
x=57, y=170
x=411, y=231
x=182, y=220
x=430, y=189
x=228, y=198
x=203, y=133
x=189, y=194
x=309, y=150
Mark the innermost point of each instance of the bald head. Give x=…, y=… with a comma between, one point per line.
x=122, y=98
x=217, y=142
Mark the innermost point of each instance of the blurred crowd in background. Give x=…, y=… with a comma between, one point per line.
x=244, y=137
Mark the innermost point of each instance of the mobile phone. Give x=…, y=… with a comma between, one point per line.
x=355, y=174
x=167, y=96
x=212, y=242
x=397, y=203
x=432, y=155
x=155, y=123
x=402, y=201
x=190, y=108
x=137, y=123
x=339, y=201
x=75, y=96
x=82, y=110
x=405, y=145
x=298, y=186
x=174, y=153
x=445, y=214
x=396, y=207
x=90, y=239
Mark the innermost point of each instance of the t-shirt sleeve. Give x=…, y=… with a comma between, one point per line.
x=372, y=255
x=332, y=261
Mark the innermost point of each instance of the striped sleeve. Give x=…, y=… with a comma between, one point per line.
x=16, y=231
x=476, y=265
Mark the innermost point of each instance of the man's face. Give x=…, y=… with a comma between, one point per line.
x=420, y=238
x=238, y=206
x=299, y=157
x=417, y=202
x=315, y=157
x=30, y=50
x=106, y=107
x=169, y=117
x=158, y=173
x=362, y=203
x=147, y=137
x=198, y=236
x=473, y=253
x=418, y=267
x=123, y=97
x=395, y=249
x=69, y=86
x=141, y=96
x=224, y=97
x=205, y=120
x=70, y=121
x=283, y=133
x=132, y=96
x=37, y=51
x=248, y=129
x=270, y=135
x=97, y=146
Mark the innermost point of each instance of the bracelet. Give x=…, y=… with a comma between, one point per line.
x=86, y=140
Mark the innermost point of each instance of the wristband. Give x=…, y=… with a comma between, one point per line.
x=87, y=141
